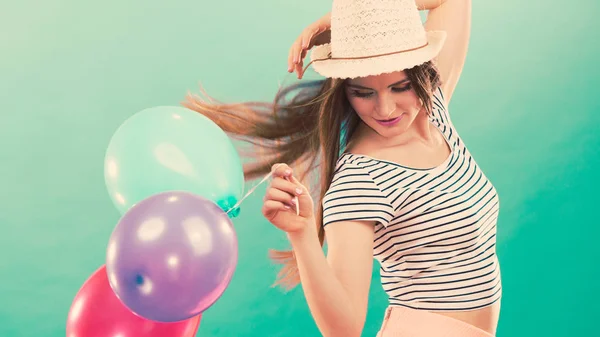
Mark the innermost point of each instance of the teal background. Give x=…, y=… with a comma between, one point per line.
x=72, y=71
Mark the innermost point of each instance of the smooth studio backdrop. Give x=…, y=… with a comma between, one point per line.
x=72, y=71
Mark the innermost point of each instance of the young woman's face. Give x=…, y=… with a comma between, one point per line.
x=387, y=103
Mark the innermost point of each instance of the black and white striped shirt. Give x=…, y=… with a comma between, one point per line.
x=435, y=235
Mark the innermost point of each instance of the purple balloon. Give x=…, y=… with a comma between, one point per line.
x=171, y=256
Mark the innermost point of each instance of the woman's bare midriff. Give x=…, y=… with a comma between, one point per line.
x=485, y=318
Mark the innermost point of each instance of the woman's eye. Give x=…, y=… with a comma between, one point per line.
x=403, y=88
x=360, y=94
x=364, y=94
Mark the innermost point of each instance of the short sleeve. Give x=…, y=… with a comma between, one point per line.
x=354, y=195
x=440, y=108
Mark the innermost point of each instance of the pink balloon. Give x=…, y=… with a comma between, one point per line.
x=97, y=312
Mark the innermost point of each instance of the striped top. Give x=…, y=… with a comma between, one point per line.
x=435, y=234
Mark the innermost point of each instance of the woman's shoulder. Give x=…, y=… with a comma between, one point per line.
x=439, y=109
x=438, y=100
x=350, y=165
x=360, y=148
x=346, y=161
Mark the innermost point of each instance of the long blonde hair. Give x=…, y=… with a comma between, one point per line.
x=303, y=128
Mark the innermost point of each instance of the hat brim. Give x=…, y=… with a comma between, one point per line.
x=334, y=68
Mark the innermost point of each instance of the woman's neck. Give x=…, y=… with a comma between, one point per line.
x=420, y=130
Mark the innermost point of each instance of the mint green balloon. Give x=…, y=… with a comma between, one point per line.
x=170, y=148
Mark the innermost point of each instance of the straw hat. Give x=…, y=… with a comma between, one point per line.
x=371, y=37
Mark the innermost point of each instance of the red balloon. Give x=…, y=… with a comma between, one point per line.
x=97, y=312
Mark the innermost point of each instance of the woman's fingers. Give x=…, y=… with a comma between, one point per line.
x=271, y=207
x=283, y=179
x=300, y=47
x=281, y=170
x=292, y=55
x=279, y=192
x=296, y=50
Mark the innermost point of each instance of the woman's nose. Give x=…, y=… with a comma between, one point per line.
x=386, y=108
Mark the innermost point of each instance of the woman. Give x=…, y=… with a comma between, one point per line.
x=396, y=181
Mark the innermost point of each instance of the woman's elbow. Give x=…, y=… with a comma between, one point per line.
x=344, y=333
x=345, y=330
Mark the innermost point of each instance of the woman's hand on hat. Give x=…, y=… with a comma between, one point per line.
x=317, y=33
x=287, y=203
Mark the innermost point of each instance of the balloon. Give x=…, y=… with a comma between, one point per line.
x=172, y=148
x=171, y=256
x=97, y=312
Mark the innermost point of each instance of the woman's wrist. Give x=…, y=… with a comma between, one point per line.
x=307, y=232
x=325, y=19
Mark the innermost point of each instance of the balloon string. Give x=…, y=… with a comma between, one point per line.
x=256, y=186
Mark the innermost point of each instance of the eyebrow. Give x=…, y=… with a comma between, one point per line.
x=366, y=88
